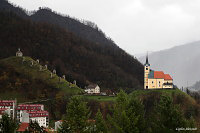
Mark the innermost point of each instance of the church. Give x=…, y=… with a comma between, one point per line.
x=156, y=79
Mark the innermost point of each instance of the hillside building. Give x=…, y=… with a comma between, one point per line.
x=33, y=112
x=8, y=106
x=156, y=79
x=19, y=53
x=92, y=89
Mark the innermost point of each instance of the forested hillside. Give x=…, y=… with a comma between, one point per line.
x=78, y=59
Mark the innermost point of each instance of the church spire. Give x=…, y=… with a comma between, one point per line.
x=147, y=61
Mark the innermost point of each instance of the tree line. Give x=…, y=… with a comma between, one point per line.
x=128, y=116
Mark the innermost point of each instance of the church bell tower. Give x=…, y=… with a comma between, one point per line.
x=146, y=72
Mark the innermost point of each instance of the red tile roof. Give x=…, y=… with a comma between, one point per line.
x=168, y=77
x=7, y=102
x=159, y=75
x=23, y=127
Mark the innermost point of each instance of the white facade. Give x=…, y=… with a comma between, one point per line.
x=33, y=112
x=28, y=107
x=42, y=121
x=41, y=117
x=24, y=118
x=92, y=89
x=10, y=105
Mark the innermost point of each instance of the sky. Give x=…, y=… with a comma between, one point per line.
x=136, y=26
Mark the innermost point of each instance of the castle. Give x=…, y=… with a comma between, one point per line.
x=156, y=79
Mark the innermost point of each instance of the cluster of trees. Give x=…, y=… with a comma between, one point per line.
x=128, y=116
x=79, y=59
x=7, y=124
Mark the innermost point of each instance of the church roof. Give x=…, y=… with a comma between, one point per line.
x=159, y=75
x=168, y=77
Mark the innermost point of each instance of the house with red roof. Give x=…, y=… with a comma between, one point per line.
x=156, y=79
x=23, y=127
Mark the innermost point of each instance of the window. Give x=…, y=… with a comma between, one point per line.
x=152, y=82
x=146, y=68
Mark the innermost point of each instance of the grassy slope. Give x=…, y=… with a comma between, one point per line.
x=63, y=87
x=100, y=98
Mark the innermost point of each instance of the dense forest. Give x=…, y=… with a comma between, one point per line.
x=79, y=59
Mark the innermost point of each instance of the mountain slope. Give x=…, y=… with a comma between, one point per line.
x=20, y=80
x=78, y=59
x=85, y=29
x=182, y=62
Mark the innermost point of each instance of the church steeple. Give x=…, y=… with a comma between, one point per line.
x=147, y=61
x=146, y=73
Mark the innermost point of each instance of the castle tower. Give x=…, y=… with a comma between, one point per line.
x=146, y=73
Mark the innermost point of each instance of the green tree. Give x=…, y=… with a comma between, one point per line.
x=100, y=123
x=64, y=128
x=168, y=116
x=35, y=127
x=124, y=119
x=7, y=124
x=77, y=116
x=135, y=111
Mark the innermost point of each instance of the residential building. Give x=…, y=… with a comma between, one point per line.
x=10, y=106
x=92, y=89
x=28, y=107
x=41, y=117
x=33, y=112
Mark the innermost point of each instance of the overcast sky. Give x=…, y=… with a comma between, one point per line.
x=136, y=26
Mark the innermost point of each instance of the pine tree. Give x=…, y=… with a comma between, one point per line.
x=168, y=116
x=100, y=123
x=135, y=111
x=77, y=116
x=123, y=120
